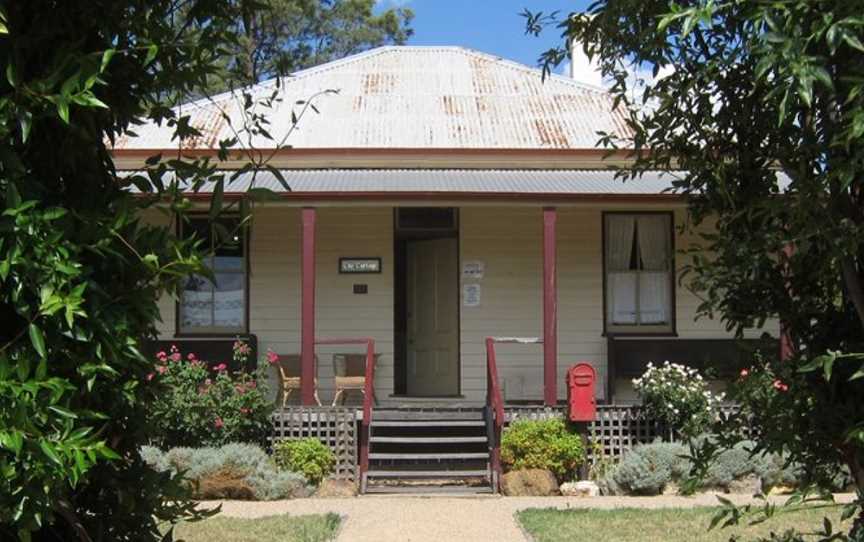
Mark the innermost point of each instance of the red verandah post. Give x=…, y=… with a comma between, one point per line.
x=307, y=306
x=495, y=404
x=550, y=308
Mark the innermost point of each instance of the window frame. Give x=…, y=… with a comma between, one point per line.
x=641, y=330
x=213, y=331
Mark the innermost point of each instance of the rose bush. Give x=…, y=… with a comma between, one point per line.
x=678, y=396
x=197, y=405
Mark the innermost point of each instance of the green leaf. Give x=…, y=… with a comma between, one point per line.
x=37, y=339
x=152, y=51
x=49, y=451
x=65, y=412
x=10, y=75
x=108, y=453
x=63, y=109
x=106, y=59
x=216, y=200
x=26, y=122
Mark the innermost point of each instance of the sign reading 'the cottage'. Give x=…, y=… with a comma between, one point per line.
x=359, y=265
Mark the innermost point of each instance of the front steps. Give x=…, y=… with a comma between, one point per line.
x=428, y=450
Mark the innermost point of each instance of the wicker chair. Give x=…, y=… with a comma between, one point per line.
x=349, y=371
x=289, y=376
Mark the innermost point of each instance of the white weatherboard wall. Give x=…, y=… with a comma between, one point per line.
x=508, y=240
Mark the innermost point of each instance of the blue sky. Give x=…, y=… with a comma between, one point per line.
x=491, y=26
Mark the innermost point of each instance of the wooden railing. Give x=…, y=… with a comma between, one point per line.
x=368, y=392
x=495, y=401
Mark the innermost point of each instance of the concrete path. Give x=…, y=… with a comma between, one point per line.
x=444, y=519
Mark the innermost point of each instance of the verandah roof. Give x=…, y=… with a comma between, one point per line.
x=457, y=181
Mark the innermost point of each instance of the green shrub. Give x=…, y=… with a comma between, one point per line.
x=199, y=406
x=648, y=468
x=542, y=444
x=230, y=471
x=307, y=456
x=677, y=396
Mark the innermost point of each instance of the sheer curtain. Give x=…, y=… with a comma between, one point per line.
x=621, y=282
x=654, y=249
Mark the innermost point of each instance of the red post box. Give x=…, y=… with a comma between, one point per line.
x=580, y=392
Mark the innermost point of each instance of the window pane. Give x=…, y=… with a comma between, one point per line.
x=654, y=242
x=196, y=305
x=227, y=263
x=619, y=242
x=229, y=299
x=203, y=304
x=654, y=298
x=227, y=237
x=621, y=298
x=199, y=228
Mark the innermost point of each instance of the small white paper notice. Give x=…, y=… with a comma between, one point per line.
x=473, y=269
x=471, y=295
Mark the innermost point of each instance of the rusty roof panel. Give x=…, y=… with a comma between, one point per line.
x=413, y=97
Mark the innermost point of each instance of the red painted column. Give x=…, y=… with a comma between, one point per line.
x=550, y=308
x=307, y=306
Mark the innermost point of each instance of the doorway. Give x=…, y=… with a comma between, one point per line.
x=426, y=302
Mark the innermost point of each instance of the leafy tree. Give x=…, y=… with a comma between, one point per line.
x=80, y=273
x=293, y=34
x=731, y=93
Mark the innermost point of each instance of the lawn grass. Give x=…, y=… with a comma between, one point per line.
x=284, y=528
x=668, y=525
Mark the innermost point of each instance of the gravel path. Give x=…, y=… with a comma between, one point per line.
x=442, y=519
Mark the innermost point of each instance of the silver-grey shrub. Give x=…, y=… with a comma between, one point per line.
x=266, y=480
x=648, y=468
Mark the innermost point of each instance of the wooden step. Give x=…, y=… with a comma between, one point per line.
x=477, y=473
x=432, y=455
x=427, y=423
x=426, y=415
x=428, y=440
x=419, y=489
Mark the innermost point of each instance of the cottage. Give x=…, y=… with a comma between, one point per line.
x=441, y=197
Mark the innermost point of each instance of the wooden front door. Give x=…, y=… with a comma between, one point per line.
x=433, y=318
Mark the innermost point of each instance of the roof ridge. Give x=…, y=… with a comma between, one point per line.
x=357, y=57
x=512, y=64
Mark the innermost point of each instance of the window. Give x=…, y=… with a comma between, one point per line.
x=639, y=278
x=217, y=306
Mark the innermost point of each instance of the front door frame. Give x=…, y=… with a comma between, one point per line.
x=400, y=342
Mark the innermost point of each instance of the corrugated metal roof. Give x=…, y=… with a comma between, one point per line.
x=413, y=97
x=458, y=181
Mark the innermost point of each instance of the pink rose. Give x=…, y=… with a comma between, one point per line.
x=221, y=367
x=272, y=357
x=191, y=356
x=744, y=373
x=150, y=377
x=162, y=356
x=251, y=384
x=779, y=385
x=218, y=423
x=240, y=388
x=245, y=410
x=173, y=348
x=161, y=369
x=176, y=356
